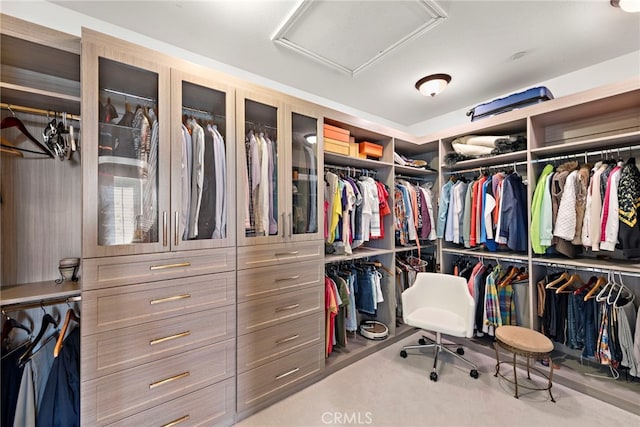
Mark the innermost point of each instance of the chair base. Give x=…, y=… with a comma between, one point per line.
x=438, y=346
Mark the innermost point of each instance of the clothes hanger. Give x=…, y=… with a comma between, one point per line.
x=601, y=280
x=563, y=276
x=575, y=278
x=71, y=315
x=10, y=324
x=14, y=122
x=47, y=320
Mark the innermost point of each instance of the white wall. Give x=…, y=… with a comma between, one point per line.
x=56, y=17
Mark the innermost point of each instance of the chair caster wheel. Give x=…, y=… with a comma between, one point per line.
x=474, y=374
x=460, y=351
x=433, y=377
x=422, y=341
x=403, y=354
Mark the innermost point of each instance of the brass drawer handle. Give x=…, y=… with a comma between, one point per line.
x=164, y=266
x=284, y=340
x=287, y=307
x=170, y=337
x=177, y=421
x=169, y=299
x=168, y=380
x=286, y=374
x=287, y=253
x=284, y=279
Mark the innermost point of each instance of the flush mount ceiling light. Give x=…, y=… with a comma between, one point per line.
x=630, y=6
x=433, y=84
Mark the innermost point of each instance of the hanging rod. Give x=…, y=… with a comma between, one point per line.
x=207, y=113
x=41, y=303
x=414, y=178
x=585, y=268
x=129, y=95
x=350, y=169
x=480, y=169
x=259, y=125
x=494, y=257
x=37, y=111
x=586, y=154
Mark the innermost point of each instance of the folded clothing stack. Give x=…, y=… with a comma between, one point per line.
x=474, y=146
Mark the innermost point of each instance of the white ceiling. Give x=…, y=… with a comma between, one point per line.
x=475, y=43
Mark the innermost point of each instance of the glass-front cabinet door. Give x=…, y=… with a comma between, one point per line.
x=125, y=153
x=203, y=177
x=305, y=199
x=261, y=211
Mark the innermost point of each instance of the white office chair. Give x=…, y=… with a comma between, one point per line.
x=439, y=303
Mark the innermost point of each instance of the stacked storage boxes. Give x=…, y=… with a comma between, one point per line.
x=336, y=140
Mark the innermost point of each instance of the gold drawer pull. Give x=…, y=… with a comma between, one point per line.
x=284, y=279
x=284, y=340
x=287, y=253
x=164, y=266
x=168, y=380
x=170, y=337
x=287, y=307
x=177, y=421
x=169, y=299
x=286, y=374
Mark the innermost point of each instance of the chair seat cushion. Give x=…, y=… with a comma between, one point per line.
x=437, y=320
x=524, y=339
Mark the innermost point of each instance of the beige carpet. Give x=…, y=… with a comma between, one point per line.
x=386, y=390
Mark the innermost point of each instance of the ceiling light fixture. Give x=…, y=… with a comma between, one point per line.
x=630, y=6
x=433, y=84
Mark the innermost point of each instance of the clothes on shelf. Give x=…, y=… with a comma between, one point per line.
x=500, y=294
x=602, y=325
x=491, y=211
x=261, y=185
x=349, y=289
x=354, y=211
x=413, y=208
x=583, y=206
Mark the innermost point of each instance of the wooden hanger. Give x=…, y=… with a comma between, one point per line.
x=599, y=282
x=563, y=276
x=71, y=315
x=575, y=278
x=14, y=122
x=47, y=320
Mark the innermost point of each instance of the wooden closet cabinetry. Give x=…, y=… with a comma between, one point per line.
x=159, y=328
x=280, y=275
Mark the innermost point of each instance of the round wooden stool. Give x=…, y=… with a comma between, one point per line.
x=527, y=343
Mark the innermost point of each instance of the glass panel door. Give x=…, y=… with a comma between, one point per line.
x=304, y=174
x=128, y=139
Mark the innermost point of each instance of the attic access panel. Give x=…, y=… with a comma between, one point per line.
x=352, y=35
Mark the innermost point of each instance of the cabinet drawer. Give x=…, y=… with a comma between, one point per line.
x=212, y=406
x=277, y=341
x=266, y=255
x=98, y=273
x=265, y=382
x=112, y=351
x=267, y=281
x=115, y=308
x=125, y=393
x=264, y=312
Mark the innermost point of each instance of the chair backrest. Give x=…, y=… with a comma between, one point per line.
x=443, y=291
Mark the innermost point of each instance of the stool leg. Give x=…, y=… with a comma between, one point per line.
x=495, y=346
x=551, y=379
x=515, y=375
x=528, y=373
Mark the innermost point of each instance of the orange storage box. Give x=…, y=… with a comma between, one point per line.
x=334, y=134
x=370, y=149
x=335, y=146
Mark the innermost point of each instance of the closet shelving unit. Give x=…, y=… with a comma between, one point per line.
x=41, y=196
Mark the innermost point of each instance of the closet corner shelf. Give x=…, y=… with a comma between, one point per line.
x=612, y=142
x=38, y=291
x=407, y=170
x=587, y=264
x=423, y=245
x=340, y=160
x=357, y=254
x=486, y=254
x=481, y=162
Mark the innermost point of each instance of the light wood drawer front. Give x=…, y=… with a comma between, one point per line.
x=112, y=351
x=125, y=393
x=267, y=281
x=272, y=343
x=115, y=308
x=264, y=312
x=211, y=406
x=260, y=384
x=282, y=253
x=98, y=273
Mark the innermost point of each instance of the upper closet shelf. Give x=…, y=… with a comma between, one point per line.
x=39, y=291
x=357, y=254
x=590, y=264
x=407, y=170
x=341, y=160
x=504, y=256
x=483, y=162
x=615, y=142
